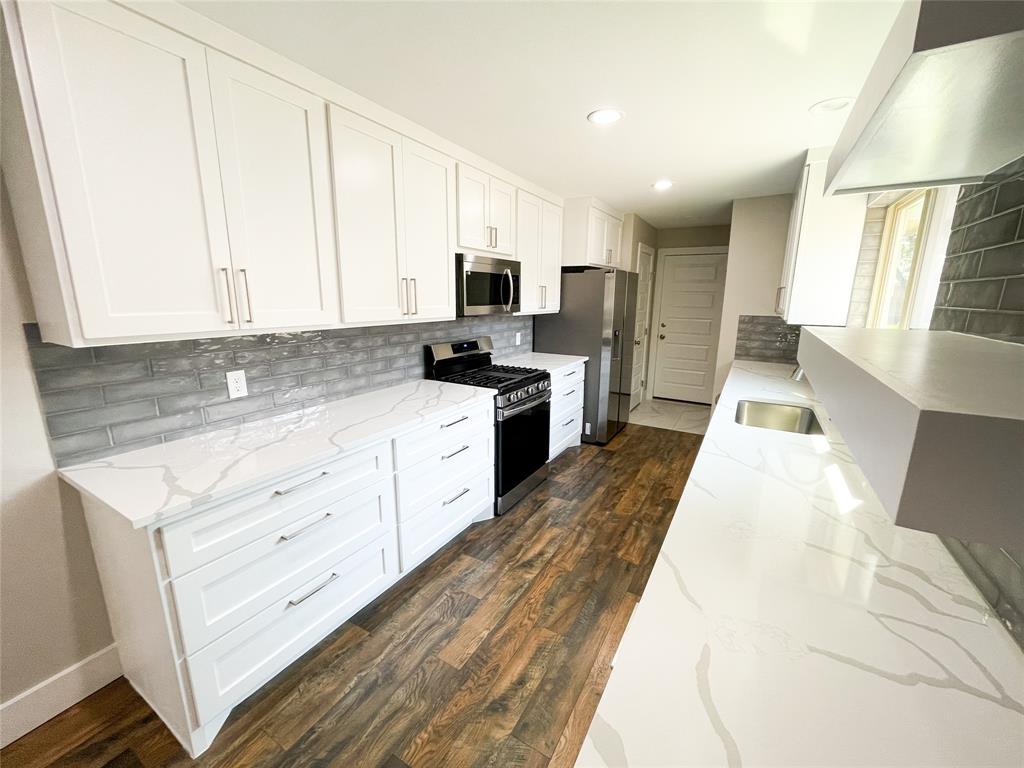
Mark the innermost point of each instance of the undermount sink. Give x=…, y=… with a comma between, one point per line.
x=785, y=418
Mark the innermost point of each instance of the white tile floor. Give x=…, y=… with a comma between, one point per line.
x=669, y=414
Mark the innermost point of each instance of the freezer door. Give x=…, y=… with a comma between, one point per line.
x=627, y=334
x=616, y=414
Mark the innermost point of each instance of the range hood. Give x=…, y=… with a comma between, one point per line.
x=944, y=102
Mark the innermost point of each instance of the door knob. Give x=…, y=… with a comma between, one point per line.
x=636, y=343
x=661, y=335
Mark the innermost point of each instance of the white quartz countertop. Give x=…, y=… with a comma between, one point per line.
x=152, y=484
x=938, y=370
x=788, y=622
x=544, y=360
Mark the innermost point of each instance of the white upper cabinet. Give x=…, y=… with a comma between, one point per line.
x=367, y=162
x=486, y=220
x=550, y=256
x=275, y=169
x=539, y=250
x=592, y=234
x=821, y=250
x=123, y=107
x=429, y=202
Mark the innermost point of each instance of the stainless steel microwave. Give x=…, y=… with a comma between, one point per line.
x=485, y=285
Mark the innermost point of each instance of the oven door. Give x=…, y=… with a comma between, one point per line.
x=486, y=286
x=521, y=445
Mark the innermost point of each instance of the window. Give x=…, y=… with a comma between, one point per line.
x=899, y=264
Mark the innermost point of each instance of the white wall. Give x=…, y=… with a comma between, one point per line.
x=757, y=247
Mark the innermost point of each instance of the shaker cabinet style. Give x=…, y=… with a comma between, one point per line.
x=486, y=212
x=539, y=251
x=123, y=106
x=592, y=234
x=821, y=249
x=395, y=210
x=272, y=141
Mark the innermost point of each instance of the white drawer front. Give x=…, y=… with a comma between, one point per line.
x=221, y=595
x=423, y=443
x=566, y=442
x=570, y=425
x=564, y=403
x=233, y=666
x=447, y=515
x=221, y=529
x=422, y=484
x=563, y=380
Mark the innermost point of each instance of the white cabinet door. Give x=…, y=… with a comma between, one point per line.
x=275, y=169
x=367, y=163
x=612, y=236
x=596, y=253
x=473, y=208
x=528, y=250
x=550, y=256
x=501, y=202
x=125, y=112
x=429, y=204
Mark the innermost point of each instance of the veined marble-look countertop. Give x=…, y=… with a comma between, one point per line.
x=152, y=484
x=788, y=622
x=544, y=360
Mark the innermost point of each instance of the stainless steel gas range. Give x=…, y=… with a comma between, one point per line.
x=522, y=412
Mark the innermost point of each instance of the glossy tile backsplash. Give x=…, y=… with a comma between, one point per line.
x=766, y=338
x=982, y=292
x=105, y=400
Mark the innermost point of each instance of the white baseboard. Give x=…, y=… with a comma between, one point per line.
x=33, y=707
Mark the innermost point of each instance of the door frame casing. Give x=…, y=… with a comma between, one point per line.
x=699, y=250
x=645, y=348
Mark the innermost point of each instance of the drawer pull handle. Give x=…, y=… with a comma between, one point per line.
x=456, y=453
x=570, y=392
x=570, y=373
x=303, y=529
x=313, y=591
x=296, y=487
x=456, y=497
x=570, y=421
x=457, y=421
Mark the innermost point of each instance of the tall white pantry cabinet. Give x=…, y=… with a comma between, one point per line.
x=177, y=190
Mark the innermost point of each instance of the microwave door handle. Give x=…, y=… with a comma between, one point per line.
x=511, y=290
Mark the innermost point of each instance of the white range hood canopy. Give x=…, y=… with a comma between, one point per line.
x=944, y=102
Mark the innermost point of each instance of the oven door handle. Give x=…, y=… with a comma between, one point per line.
x=505, y=413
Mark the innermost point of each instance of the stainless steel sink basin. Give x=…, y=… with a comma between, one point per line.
x=786, y=418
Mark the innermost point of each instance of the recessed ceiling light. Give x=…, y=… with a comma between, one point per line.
x=662, y=184
x=604, y=116
x=837, y=104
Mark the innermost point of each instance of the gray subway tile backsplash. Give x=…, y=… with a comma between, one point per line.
x=105, y=400
x=766, y=338
x=982, y=293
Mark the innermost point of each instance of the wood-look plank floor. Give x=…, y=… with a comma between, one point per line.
x=493, y=653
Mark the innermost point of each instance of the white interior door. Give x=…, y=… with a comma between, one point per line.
x=644, y=287
x=472, y=194
x=367, y=183
x=275, y=168
x=125, y=108
x=428, y=184
x=690, y=290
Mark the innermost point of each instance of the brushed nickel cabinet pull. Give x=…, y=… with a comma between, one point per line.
x=227, y=299
x=570, y=421
x=304, y=529
x=778, y=299
x=452, y=424
x=313, y=591
x=403, y=296
x=248, y=293
x=415, y=298
x=570, y=392
x=296, y=487
x=456, y=497
x=456, y=453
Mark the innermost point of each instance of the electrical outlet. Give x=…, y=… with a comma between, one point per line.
x=586, y=428
x=519, y=338
x=236, y=384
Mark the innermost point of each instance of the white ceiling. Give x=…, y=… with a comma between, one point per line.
x=716, y=94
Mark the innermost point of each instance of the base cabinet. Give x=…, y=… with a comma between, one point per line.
x=207, y=608
x=567, y=389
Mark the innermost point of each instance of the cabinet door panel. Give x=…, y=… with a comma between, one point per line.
x=551, y=256
x=528, y=225
x=272, y=138
x=472, y=193
x=612, y=236
x=501, y=203
x=429, y=203
x=125, y=111
x=596, y=253
x=367, y=183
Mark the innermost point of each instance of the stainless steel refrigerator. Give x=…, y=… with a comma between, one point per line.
x=597, y=319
